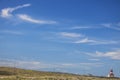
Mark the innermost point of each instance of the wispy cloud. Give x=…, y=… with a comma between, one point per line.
x=11, y=32
x=78, y=38
x=94, y=59
x=42, y=65
x=94, y=42
x=7, y=12
x=85, y=40
x=114, y=26
x=107, y=25
x=27, y=18
x=70, y=35
x=118, y=24
x=83, y=27
x=112, y=54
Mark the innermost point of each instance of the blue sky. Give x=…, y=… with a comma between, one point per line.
x=76, y=36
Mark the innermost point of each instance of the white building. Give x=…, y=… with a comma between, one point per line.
x=111, y=74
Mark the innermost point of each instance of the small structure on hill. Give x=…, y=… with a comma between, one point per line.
x=111, y=74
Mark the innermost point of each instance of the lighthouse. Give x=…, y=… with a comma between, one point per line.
x=111, y=74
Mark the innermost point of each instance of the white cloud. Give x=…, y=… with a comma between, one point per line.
x=41, y=65
x=94, y=42
x=85, y=40
x=80, y=27
x=7, y=12
x=27, y=18
x=94, y=59
x=25, y=64
x=105, y=42
x=107, y=25
x=70, y=35
x=115, y=26
x=112, y=54
x=83, y=27
x=82, y=65
x=78, y=38
x=92, y=64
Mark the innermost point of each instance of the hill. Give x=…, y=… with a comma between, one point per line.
x=9, y=73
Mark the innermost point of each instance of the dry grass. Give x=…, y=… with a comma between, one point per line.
x=7, y=73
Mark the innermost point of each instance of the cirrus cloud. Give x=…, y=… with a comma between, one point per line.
x=27, y=18
x=43, y=65
x=110, y=54
x=12, y=32
x=85, y=40
x=70, y=35
x=114, y=26
x=7, y=12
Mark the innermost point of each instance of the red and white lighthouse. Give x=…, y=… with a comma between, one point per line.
x=111, y=74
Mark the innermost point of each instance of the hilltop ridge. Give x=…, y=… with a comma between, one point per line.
x=10, y=73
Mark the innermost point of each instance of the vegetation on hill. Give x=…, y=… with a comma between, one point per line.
x=8, y=73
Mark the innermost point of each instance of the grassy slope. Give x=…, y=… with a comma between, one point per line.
x=8, y=73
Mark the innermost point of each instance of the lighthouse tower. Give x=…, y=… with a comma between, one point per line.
x=111, y=74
